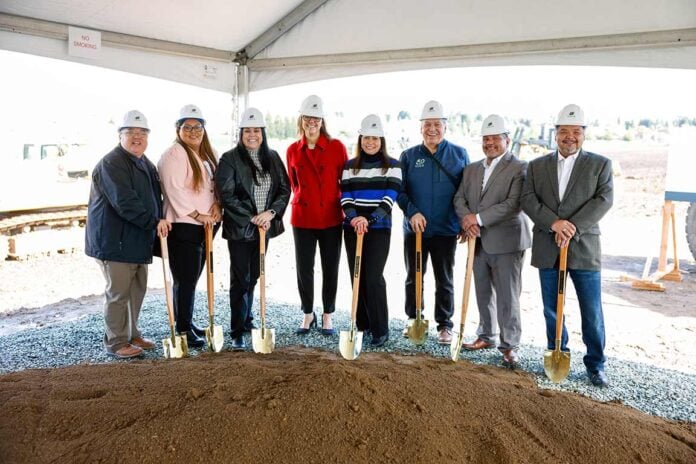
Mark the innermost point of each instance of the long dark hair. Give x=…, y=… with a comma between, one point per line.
x=322, y=130
x=360, y=155
x=264, y=155
x=206, y=154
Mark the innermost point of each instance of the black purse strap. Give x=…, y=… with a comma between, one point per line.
x=447, y=173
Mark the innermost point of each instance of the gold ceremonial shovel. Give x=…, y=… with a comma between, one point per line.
x=263, y=339
x=557, y=362
x=213, y=333
x=458, y=339
x=174, y=346
x=350, y=341
x=417, y=330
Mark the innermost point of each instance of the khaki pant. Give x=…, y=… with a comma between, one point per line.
x=125, y=290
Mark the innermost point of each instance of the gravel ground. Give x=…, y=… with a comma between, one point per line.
x=653, y=390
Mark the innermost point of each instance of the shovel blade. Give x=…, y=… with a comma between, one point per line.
x=350, y=344
x=215, y=338
x=175, y=348
x=263, y=340
x=456, y=346
x=418, y=331
x=556, y=365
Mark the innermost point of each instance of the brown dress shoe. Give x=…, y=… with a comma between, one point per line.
x=143, y=343
x=478, y=344
x=444, y=336
x=128, y=351
x=510, y=358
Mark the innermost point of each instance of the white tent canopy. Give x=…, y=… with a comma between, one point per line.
x=232, y=45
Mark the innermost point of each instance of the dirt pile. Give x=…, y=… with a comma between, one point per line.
x=300, y=405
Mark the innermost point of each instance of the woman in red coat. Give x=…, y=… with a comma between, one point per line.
x=315, y=164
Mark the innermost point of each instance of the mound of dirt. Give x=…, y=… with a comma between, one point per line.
x=300, y=405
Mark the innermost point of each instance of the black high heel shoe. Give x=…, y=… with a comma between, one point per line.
x=312, y=325
x=327, y=332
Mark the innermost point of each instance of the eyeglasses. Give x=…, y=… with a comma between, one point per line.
x=196, y=128
x=310, y=119
x=135, y=133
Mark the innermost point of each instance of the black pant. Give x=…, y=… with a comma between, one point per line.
x=186, y=243
x=329, y=241
x=441, y=250
x=244, y=273
x=373, y=311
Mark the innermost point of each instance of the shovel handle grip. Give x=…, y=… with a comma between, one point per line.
x=471, y=250
x=356, y=278
x=209, y=269
x=262, y=275
x=419, y=273
x=560, y=298
x=168, y=292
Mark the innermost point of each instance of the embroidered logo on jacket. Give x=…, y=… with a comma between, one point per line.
x=420, y=162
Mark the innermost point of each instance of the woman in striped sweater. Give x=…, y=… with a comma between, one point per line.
x=369, y=184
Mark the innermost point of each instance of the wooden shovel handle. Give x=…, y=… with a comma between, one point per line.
x=419, y=274
x=168, y=292
x=356, y=278
x=262, y=274
x=560, y=298
x=471, y=250
x=209, y=269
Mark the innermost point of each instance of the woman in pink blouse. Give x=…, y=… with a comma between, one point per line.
x=187, y=171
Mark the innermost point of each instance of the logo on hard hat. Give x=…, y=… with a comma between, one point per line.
x=251, y=116
x=315, y=105
x=490, y=124
x=137, y=118
x=432, y=108
x=572, y=113
x=374, y=124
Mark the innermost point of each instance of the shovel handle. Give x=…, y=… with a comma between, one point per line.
x=419, y=273
x=471, y=250
x=262, y=275
x=209, y=269
x=560, y=298
x=168, y=293
x=356, y=279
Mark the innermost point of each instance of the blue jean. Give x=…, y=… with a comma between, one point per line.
x=588, y=288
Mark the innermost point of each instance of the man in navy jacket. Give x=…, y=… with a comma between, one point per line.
x=123, y=218
x=431, y=175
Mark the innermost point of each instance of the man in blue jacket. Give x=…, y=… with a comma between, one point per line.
x=123, y=218
x=431, y=174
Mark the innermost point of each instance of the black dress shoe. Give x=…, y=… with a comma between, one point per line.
x=199, y=331
x=193, y=340
x=376, y=342
x=238, y=343
x=599, y=378
x=313, y=324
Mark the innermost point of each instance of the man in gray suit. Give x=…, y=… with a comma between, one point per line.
x=488, y=206
x=566, y=193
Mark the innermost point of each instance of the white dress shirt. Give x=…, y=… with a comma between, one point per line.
x=487, y=171
x=565, y=169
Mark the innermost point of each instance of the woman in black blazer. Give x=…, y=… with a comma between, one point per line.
x=254, y=191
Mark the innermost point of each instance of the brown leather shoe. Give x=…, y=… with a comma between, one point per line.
x=143, y=343
x=478, y=344
x=510, y=358
x=444, y=336
x=128, y=351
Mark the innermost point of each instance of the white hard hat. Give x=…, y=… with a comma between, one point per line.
x=432, y=110
x=571, y=115
x=252, y=118
x=134, y=118
x=371, y=126
x=493, y=125
x=312, y=106
x=191, y=112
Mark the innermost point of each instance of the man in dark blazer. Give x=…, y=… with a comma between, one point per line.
x=488, y=206
x=566, y=193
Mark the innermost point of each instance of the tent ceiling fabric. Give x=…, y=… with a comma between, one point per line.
x=338, y=38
